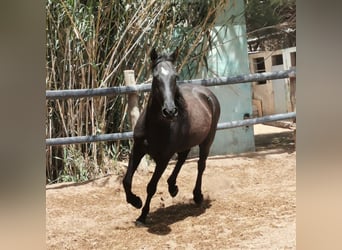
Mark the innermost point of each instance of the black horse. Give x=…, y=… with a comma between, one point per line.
x=176, y=119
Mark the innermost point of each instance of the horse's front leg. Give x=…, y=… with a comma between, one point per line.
x=151, y=189
x=137, y=153
x=173, y=189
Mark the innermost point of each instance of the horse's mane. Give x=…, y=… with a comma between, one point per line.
x=180, y=101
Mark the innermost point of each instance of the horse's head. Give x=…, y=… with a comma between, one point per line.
x=164, y=85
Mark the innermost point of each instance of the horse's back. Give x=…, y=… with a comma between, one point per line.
x=202, y=99
x=203, y=109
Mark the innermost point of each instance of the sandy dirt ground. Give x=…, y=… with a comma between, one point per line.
x=250, y=203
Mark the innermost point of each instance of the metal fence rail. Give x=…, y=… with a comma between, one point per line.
x=129, y=135
x=252, y=121
x=89, y=138
x=79, y=93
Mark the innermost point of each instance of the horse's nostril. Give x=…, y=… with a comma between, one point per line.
x=165, y=112
x=175, y=112
x=170, y=113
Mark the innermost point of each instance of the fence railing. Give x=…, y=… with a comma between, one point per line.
x=79, y=93
x=129, y=135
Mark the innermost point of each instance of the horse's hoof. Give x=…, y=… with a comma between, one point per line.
x=198, y=199
x=141, y=221
x=135, y=201
x=138, y=223
x=173, y=191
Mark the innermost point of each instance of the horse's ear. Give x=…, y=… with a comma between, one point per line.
x=154, y=54
x=174, y=55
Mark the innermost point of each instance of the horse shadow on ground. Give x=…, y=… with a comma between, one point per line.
x=159, y=221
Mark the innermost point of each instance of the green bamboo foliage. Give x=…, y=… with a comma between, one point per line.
x=89, y=45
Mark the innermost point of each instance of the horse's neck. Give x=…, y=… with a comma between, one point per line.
x=152, y=105
x=152, y=110
x=180, y=102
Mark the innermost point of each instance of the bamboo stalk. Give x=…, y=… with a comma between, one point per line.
x=89, y=46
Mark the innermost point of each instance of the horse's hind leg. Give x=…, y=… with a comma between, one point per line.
x=173, y=189
x=134, y=160
x=204, y=152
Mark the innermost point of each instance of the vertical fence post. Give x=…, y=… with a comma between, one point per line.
x=133, y=109
x=133, y=106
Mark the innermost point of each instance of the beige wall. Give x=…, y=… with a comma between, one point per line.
x=264, y=95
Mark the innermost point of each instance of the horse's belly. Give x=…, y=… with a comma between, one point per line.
x=199, y=132
x=182, y=137
x=200, y=119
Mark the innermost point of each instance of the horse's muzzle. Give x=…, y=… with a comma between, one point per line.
x=170, y=113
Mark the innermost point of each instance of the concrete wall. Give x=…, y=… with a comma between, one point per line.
x=230, y=58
